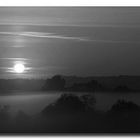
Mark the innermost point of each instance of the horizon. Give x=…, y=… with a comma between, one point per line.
x=76, y=76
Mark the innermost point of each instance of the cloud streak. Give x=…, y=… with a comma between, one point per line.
x=16, y=59
x=64, y=37
x=43, y=35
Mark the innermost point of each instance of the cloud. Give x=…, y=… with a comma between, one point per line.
x=56, y=36
x=64, y=37
x=43, y=35
x=16, y=59
x=70, y=24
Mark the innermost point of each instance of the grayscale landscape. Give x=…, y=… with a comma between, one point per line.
x=69, y=70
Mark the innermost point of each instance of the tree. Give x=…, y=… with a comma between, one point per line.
x=69, y=103
x=122, y=106
x=55, y=83
x=88, y=100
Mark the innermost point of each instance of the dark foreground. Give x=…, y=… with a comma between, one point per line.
x=71, y=114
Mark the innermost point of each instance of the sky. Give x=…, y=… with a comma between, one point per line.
x=86, y=41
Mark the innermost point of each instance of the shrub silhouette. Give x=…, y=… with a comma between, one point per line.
x=125, y=106
x=4, y=112
x=69, y=103
x=122, y=88
x=88, y=100
x=123, y=117
x=90, y=86
x=55, y=83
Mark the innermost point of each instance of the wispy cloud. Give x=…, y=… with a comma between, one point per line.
x=71, y=24
x=12, y=58
x=64, y=37
x=43, y=35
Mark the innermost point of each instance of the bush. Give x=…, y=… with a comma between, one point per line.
x=125, y=106
x=55, y=83
x=69, y=103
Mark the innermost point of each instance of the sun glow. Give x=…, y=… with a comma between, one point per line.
x=19, y=68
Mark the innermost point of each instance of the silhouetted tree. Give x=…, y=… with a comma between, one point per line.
x=124, y=117
x=125, y=106
x=68, y=103
x=88, y=100
x=4, y=112
x=89, y=86
x=122, y=88
x=21, y=116
x=55, y=83
x=92, y=85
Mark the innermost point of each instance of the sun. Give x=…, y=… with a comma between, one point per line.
x=19, y=68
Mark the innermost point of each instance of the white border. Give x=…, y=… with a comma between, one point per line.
x=69, y=3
